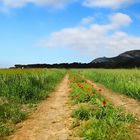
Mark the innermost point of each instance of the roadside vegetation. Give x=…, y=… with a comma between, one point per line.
x=95, y=117
x=20, y=91
x=125, y=81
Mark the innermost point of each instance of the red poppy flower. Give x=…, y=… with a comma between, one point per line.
x=94, y=92
x=88, y=89
x=87, y=95
x=104, y=102
x=100, y=90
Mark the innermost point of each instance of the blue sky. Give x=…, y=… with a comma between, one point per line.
x=45, y=31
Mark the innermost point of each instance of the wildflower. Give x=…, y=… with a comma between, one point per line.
x=100, y=90
x=94, y=92
x=104, y=102
x=87, y=95
x=88, y=89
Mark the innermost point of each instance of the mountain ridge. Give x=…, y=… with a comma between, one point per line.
x=126, y=59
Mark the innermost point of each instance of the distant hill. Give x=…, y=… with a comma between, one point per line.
x=127, y=60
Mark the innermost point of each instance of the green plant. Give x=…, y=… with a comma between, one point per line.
x=4, y=130
x=82, y=113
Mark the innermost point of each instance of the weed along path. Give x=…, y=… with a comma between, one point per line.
x=51, y=121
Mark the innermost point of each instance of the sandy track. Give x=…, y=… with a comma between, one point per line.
x=51, y=121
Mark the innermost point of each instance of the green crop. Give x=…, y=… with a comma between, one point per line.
x=120, y=80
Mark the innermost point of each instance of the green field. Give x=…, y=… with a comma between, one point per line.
x=125, y=81
x=95, y=116
x=20, y=90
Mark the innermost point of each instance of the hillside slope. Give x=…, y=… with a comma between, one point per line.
x=127, y=59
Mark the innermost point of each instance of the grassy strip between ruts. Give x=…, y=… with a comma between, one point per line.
x=20, y=91
x=98, y=118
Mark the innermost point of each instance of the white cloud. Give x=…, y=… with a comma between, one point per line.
x=107, y=3
x=21, y=3
x=87, y=20
x=96, y=37
x=120, y=19
x=61, y=3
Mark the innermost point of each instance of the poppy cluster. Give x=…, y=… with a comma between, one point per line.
x=80, y=86
x=104, y=102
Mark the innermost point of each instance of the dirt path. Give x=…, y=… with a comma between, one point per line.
x=52, y=119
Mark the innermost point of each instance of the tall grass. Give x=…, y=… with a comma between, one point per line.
x=120, y=80
x=28, y=85
x=20, y=88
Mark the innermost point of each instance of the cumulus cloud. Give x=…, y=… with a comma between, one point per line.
x=107, y=3
x=61, y=3
x=96, y=37
x=21, y=3
x=87, y=20
x=120, y=19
